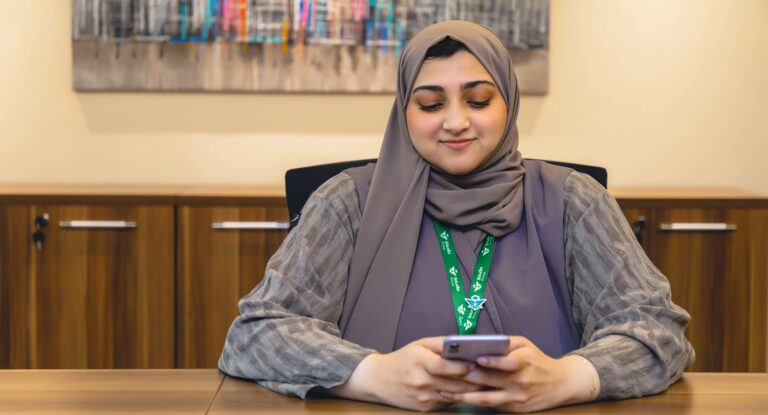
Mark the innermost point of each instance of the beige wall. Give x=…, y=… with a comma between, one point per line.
x=661, y=92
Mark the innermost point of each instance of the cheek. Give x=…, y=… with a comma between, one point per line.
x=493, y=124
x=421, y=126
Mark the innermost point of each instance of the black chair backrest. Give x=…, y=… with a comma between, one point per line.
x=301, y=182
x=600, y=174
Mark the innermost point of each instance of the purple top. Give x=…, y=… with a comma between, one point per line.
x=527, y=293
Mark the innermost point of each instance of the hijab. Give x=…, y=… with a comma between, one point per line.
x=404, y=186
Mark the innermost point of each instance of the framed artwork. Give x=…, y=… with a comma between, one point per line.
x=336, y=46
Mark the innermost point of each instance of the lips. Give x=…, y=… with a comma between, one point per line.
x=458, y=144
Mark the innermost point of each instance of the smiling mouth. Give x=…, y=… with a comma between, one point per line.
x=458, y=144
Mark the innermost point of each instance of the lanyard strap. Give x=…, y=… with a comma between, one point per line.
x=467, y=308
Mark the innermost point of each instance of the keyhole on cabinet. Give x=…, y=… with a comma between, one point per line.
x=39, y=236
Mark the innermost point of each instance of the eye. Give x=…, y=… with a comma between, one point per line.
x=479, y=104
x=430, y=108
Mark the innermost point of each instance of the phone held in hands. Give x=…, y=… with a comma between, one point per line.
x=470, y=347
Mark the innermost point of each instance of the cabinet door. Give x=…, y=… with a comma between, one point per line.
x=15, y=246
x=720, y=278
x=88, y=297
x=216, y=267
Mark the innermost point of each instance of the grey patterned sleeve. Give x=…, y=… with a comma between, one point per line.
x=286, y=337
x=631, y=330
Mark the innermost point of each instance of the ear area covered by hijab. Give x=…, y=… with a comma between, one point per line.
x=404, y=186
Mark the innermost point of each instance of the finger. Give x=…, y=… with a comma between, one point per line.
x=511, y=362
x=516, y=342
x=433, y=344
x=489, y=377
x=438, y=396
x=493, y=398
x=428, y=400
x=453, y=385
x=448, y=396
x=436, y=365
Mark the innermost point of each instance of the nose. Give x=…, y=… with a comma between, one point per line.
x=456, y=120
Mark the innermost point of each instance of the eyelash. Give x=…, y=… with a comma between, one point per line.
x=430, y=108
x=475, y=104
x=479, y=104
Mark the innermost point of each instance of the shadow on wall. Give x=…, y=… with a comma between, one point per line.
x=305, y=114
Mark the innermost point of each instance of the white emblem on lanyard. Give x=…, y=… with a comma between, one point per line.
x=475, y=302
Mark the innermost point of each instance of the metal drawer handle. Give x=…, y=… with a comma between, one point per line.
x=698, y=226
x=256, y=225
x=97, y=224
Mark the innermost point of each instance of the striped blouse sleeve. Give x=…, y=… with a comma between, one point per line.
x=286, y=337
x=630, y=329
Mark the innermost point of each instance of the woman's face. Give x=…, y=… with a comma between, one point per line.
x=455, y=113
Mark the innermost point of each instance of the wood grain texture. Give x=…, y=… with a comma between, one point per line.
x=665, y=194
x=94, y=298
x=215, y=269
x=144, y=195
x=757, y=267
x=697, y=393
x=721, y=383
x=17, y=308
x=718, y=277
x=193, y=391
x=107, y=391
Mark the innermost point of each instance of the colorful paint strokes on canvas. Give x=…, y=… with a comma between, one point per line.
x=281, y=45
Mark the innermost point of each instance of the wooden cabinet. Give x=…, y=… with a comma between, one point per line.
x=718, y=275
x=163, y=294
x=90, y=296
x=159, y=294
x=216, y=267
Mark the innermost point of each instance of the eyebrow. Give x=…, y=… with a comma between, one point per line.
x=464, y=87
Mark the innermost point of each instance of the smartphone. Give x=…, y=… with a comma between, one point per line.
x=469, y=347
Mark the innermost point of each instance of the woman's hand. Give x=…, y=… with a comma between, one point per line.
x=412, y=377
x=527, y=380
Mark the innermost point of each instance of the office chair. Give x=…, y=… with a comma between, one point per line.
x=302, y=181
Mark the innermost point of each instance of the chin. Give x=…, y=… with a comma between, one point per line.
x=457, y=170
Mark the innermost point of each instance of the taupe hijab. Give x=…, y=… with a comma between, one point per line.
x=404, y=185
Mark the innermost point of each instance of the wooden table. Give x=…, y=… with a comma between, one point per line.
x=189, y=391
x=207, y=391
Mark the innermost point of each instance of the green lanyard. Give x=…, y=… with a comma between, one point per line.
x=467, y=309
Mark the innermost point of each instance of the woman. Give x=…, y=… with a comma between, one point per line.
x=357, y=299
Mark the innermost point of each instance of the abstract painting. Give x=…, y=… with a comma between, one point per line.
x=281, y=45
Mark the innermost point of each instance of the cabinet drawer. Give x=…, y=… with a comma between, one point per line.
x=217, y=265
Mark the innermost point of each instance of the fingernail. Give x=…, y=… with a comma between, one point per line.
x=447, y=395
x=482, y=360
